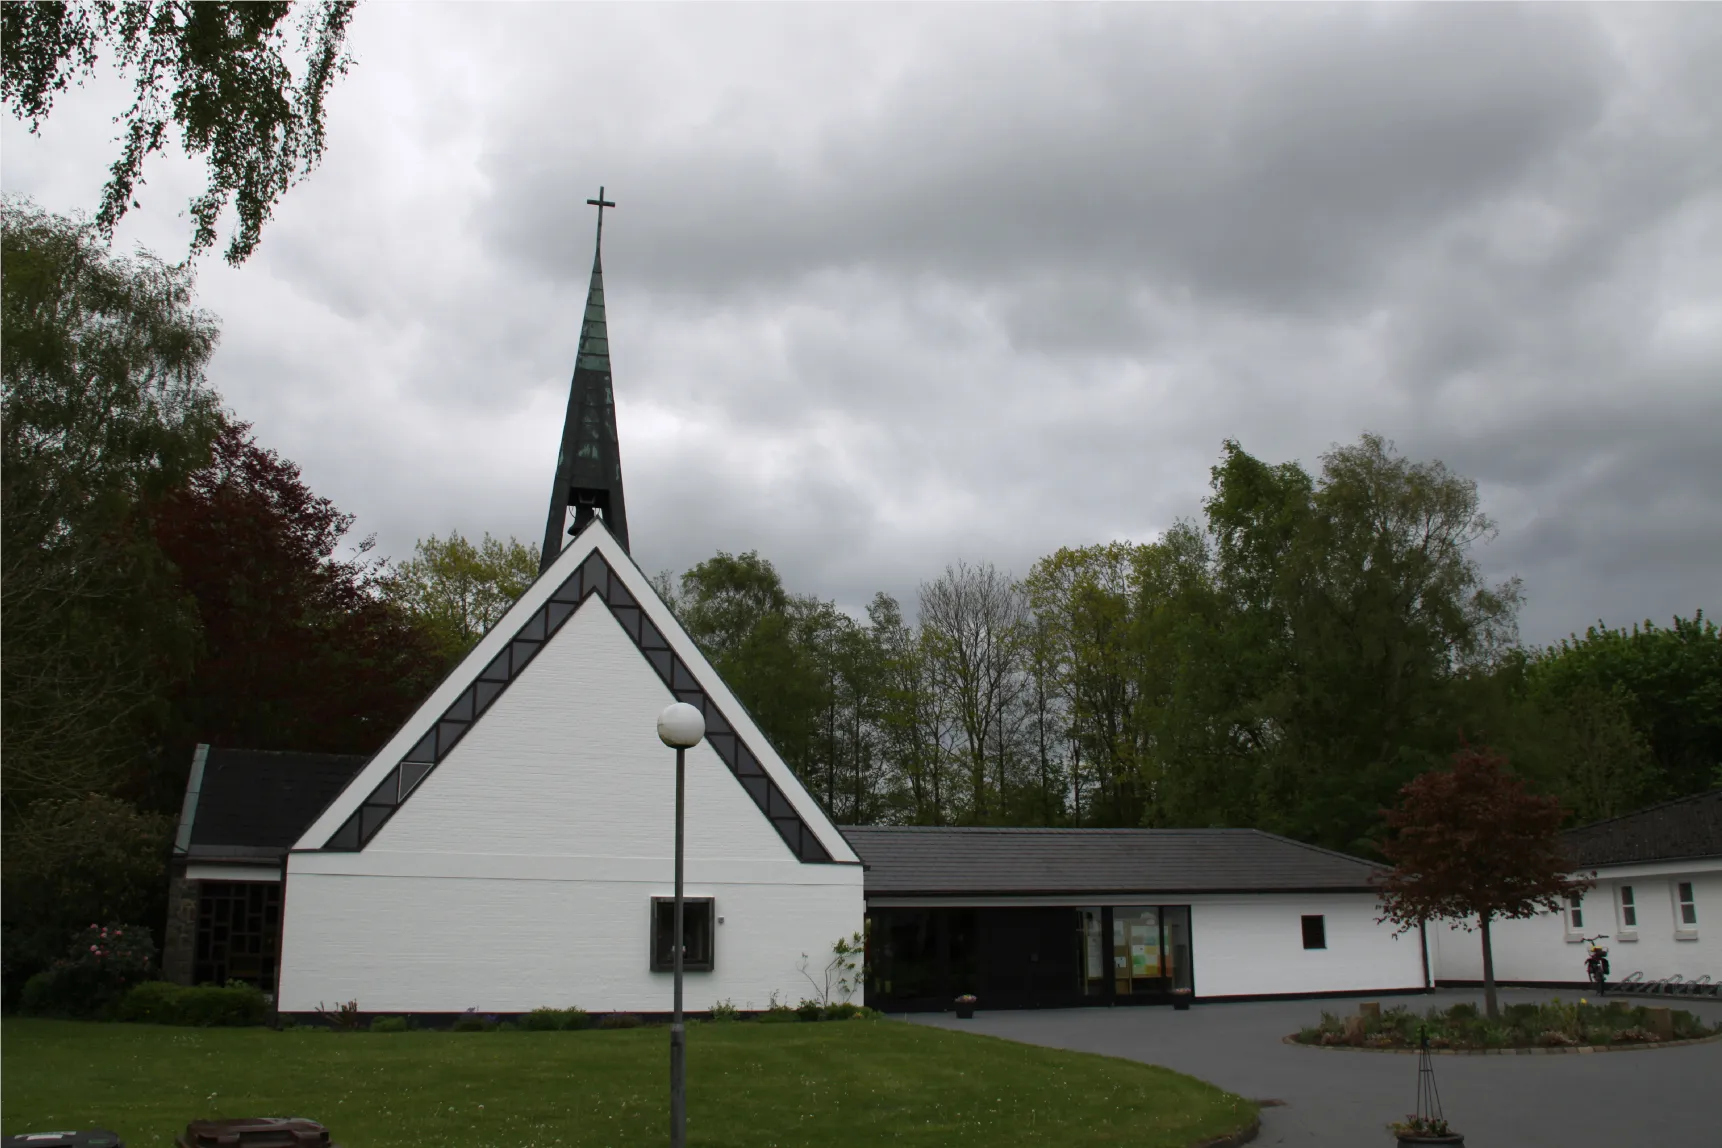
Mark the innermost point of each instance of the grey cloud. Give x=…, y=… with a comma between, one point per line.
x=890, y=287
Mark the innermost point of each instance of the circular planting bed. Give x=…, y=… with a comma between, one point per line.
x=1522, y=1029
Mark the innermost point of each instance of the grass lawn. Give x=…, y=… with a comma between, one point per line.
x=831, y=1084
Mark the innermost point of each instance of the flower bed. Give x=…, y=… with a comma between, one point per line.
x=1552, y=1025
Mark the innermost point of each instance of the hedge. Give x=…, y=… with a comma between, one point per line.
x=159, y=1002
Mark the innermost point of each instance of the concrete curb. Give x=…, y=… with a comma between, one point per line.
x=1237, y=1139
x=1577, y=1050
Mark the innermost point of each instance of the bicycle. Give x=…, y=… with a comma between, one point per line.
x=1596, y=963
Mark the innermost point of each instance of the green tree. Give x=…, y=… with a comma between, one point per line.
x=105, y=409
x=1084, y=602
x=974, y=622
x=1356, y=606
x=765, y=644
x=1472, y=844
x=222, y=73
x=457, y=591
x=71, y=861
x=1668, y=681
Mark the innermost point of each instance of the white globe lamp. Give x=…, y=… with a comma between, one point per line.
x=681, y=726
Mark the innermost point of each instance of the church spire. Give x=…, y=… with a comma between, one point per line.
x=589, y=465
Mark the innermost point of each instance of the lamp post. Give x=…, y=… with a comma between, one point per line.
x=681, y=726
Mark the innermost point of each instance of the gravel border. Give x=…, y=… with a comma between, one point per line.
x=1575, y=1050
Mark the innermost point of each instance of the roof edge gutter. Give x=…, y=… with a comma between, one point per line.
x=1113, y=894
x=193, y=787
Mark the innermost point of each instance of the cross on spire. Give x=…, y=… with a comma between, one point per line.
x=589, y=466
x=600, y=203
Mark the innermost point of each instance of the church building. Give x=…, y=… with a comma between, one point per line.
x=511, y=846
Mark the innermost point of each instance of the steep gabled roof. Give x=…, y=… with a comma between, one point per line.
x=250, y=803
x=940, y=860
x=1678, y=830
x=593, y=565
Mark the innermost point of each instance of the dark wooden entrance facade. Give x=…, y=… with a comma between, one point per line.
x=1025, y=957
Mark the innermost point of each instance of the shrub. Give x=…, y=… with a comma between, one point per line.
x=779, y=1015
x=69, y=862
x=470, y=1022
x=616, y=1020
x=542, y=1020
x=156, y=1002
x=102, y=964
x=153, y=1002
x=1555, y=1038
x=391, y=1024
x=574, y=1019
x=1462, y=1011
x=506, y=1026
x=1522, y=1013
x=844, y=1011
x=724, y=1011
x=1636, y=1036
x=342, y=1018
x=809, y=1009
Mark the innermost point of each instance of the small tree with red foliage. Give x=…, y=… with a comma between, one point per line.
x=1471, y=844
x=299, y=649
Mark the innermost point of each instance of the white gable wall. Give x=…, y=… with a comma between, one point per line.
x=1543, y=949
x=1250, y=945
x=521, y=871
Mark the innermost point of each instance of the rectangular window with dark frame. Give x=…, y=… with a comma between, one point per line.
x=697, y=934
x=1315, y=932
x=1685, y=907
x=1628, y=909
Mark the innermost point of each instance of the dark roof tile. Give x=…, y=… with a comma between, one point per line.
x=263, y=799
x=930, y=860
x=1673, y=831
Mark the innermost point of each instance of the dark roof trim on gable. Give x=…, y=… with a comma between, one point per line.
x=592, y=577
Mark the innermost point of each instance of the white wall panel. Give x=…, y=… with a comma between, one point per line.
x=1253, y=945
x=521, y=871
x=1538, y=948
x=404, y=944
x=568, y=762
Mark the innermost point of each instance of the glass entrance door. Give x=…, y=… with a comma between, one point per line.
x=1136, y=951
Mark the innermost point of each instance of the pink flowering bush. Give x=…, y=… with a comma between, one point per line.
x=101, y=964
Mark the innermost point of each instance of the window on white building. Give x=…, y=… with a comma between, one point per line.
x=1685, y=910
x=1628, y=914
x=1315, y=932
x=696, y=934
x=1575, y=914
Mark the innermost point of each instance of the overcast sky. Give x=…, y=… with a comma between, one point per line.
x=892, y=287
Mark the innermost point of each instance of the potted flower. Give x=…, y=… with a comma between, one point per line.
x=1416, y=1129
x=966, y=1006
x=1428, y=1125
x=1181, y=999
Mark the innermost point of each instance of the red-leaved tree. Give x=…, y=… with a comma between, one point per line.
x=300, y=651
x=1472, y=845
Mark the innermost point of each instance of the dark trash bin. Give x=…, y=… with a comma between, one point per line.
x=94, y=1138
x=255, y=1132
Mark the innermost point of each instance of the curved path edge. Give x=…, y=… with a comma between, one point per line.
x=1236, y=1139
x=1575, y=1050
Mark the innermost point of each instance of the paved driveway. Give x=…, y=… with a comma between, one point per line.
x=1661, y=1098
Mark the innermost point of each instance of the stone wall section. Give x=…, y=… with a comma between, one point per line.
x=179, y=942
